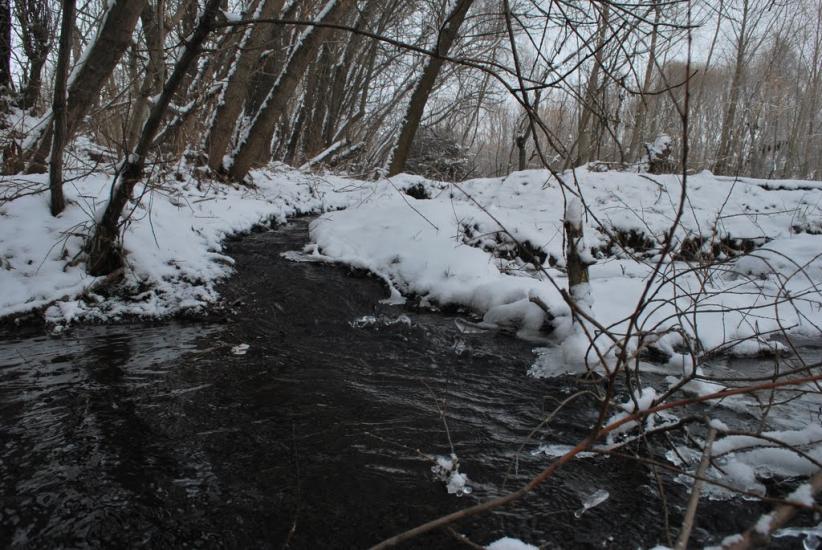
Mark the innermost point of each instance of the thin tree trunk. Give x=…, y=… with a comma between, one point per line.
x=230, y=105
x=254, y=145
x=342, y=72
x=104, y=255
x=58, y=201
x=521, y=141
x=419, y=98
x=89, y=76
x=152, y=19
x=5, y=46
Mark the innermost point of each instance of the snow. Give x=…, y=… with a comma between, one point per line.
x=802, y=495
x=575, y=212
x=763, y=524
x=446, y=469
x=173, y=244
x=743, y=460
x=449, y=250
x=508, y=543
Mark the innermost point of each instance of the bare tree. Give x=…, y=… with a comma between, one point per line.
x=416, y=106
x=254, y=143
x=103, y=253
x=5, y=45
x=36, y=36
x=88, y=76
x=58, y=108
x=237, y=85
x=153, y=24
x=642, y=107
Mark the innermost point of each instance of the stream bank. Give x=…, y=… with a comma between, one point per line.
x=163, y=435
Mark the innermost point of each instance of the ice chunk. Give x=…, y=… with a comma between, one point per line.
x=447, y=470
x=240, y=349
x=591, y=501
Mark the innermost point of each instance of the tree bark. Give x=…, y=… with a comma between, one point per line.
x=521, y=141
x=576, y=267
x=253, y=146
x=89, y=76
x=342, y=70
x=104, y=255
x=58, y=108
x=419, y=98
x=317, y=91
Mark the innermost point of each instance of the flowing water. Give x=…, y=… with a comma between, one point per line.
x=319, y=435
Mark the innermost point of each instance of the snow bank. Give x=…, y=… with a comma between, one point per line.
x=450, y=249
x=173, y=243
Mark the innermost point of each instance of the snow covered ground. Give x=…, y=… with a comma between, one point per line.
x=174, y=241
x=451, y=249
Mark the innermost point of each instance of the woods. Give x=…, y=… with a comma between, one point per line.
x=350, y=83
x=630, y=187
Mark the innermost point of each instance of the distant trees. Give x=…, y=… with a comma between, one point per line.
x=36, y=30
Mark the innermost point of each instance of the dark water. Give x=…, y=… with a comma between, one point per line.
x=157, y=435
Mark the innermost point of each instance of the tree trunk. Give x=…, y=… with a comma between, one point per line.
x=36, y=37
x=589, y=101
x=722, y=158
x=317, y=91
x=254, y=145
x=34, y=82
x=89, y=76
x=635, y=147
x=416, y=106
x=58, y=109
x=521, y=141
x=236, y=89
x=5, y=46
x=152, y=19
x=576, y=267
x=342, y=70
x=104, y=255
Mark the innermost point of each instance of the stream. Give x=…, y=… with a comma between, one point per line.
x=319, y=435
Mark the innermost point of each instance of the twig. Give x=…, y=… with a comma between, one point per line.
x=693, y=502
